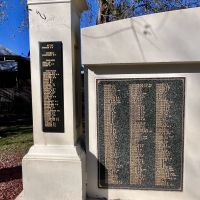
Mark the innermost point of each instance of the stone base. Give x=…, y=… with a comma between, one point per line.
x=20, y=196
x=54, y=172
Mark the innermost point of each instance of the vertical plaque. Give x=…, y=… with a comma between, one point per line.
x=51, y=64
x=140, y=127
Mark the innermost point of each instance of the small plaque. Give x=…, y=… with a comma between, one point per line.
x=140, y=127
x=51, y=62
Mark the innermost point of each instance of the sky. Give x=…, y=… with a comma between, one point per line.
x=11, y=36
x=89, y=17
x=17, y=39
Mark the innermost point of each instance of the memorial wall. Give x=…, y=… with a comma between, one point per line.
x=142, y=107
x=140, y=131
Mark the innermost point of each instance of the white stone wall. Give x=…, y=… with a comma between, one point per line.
x=191, y=172
x=164, y=37
x=153, y=46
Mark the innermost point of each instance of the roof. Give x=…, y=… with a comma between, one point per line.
x=4, y=51
x=9, y=66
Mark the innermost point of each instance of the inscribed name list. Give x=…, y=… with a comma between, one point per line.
x=140, y=133
x=51, y=62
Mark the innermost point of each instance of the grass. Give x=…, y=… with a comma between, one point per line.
x=15, y=141
x=15, y=138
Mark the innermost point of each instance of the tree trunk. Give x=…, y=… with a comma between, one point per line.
x=105, y=10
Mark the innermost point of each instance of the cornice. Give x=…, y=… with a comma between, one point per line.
x=80, y=4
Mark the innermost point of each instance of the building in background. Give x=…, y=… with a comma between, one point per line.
x=15, y=85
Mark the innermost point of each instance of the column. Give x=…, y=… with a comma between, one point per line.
x=54, y=167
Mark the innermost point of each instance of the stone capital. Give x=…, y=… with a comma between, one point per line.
x=80, y=4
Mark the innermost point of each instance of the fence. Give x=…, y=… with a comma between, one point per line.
x=15, y=100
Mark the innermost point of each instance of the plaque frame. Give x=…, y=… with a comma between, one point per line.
x=55, y=49
x=112, y=186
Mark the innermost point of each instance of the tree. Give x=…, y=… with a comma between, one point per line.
x=106, y=10
x=111, y=10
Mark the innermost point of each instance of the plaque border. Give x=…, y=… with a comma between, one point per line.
x=41, y=84
x=131, y=187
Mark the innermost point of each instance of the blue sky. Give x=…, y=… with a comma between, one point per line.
x=89, y=17
x=11, y=36
x=17, y=40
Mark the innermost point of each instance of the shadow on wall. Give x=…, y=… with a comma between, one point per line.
x=103, y=181
x=163, y=37
x=139, y=28
x=90, y=157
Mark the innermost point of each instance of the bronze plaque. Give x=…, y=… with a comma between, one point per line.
x=51, y=64
x=140, y=127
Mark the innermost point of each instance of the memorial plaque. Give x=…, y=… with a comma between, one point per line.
x=51, y=62
x=140, y=128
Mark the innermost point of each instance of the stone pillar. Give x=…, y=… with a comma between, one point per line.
x=54, y=167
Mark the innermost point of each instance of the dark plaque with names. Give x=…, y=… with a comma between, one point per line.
x=140, y=128
x=51, y=63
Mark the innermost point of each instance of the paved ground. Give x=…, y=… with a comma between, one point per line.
x=10, y=176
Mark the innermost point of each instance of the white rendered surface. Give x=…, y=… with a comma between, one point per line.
x=191, y=173
x=56, y=27
x=164, y=37
x=81, y=5
x=54, y=168
x=54, y=172
x=157, y=45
